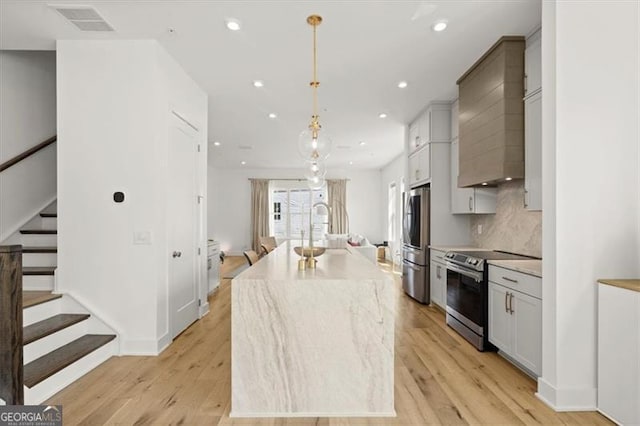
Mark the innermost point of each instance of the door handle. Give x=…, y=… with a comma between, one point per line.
x=176, y=254
x=470, y=204
x=506, y=307
x=511, y=311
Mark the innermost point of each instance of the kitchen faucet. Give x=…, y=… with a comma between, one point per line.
x=319, y=203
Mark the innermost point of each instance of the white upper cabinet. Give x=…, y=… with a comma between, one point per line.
x=420, y=166
x=533, y=124
x=533, y=151
x=533, y=64
x=431, y=125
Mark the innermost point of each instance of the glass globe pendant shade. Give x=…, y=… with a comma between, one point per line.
x=316, y=169
x=314, y=149
x=316, y=182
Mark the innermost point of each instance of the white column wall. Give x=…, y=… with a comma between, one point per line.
x=594, y=204
x=27, y=117
x=114, y=101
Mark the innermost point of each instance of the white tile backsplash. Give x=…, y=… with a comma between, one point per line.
x=513, y=228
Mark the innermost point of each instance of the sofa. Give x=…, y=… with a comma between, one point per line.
x=356, y=242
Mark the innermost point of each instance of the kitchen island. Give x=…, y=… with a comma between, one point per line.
x=313, y=343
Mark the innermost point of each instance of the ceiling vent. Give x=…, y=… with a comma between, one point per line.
x=85, y=18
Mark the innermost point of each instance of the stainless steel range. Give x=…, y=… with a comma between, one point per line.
x=467, y=293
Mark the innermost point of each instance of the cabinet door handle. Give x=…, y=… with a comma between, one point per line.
x=417, y=174
x=526, y=198
x=417, y=141
x=525, y=84
x=438, y=272
x=511, y=311
x=506, y=297
x=470, y=204
x=510, y=280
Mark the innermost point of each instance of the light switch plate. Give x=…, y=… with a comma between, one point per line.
x=142, y=237
x=479, y=229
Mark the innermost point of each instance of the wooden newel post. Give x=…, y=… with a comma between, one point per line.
x=11, y=374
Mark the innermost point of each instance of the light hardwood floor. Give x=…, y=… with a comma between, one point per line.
x=439, y=379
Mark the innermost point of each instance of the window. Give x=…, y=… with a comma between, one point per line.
x=290, y=203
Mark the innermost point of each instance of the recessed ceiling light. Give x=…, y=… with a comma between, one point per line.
x=216, y=143
x=362, y=143
x=273, y=115
x=382, y=115
x=508, y=178
x=484, y=184
x=258, y=83
x=440, y=26
x=232, y=24
x=403, y=84
x=351, y=163
x=243, y=162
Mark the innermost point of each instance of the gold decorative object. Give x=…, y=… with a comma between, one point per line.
x=309, y=252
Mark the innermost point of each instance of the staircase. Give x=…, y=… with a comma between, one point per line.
x=62, y=341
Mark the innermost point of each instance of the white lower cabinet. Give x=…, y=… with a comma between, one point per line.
x=438, y=279
x=515, y=318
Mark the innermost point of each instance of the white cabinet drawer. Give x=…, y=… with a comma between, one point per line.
x=527, y=284
x=437, y=256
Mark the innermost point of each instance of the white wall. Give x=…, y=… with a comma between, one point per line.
x=114, y=102
x=229, y=192
x=591, y=208
x=27, y=117
x=394, y=172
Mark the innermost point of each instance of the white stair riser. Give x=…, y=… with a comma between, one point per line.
x=66, y=376
x=39, y=259
x=39, y=240
x=53, y=341
x=49, y=223
x=38, y=282
x=41, y=312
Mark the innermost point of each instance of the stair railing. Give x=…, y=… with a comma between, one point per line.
x=11, y=365
x=28, y=153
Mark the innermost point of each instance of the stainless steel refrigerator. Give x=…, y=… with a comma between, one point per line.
x=415, y=244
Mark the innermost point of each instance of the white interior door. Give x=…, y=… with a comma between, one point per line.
x=182, y=208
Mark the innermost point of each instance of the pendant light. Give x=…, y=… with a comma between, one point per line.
x=313, y=144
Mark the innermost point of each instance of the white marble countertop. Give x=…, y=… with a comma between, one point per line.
x=333, y=264
x=449, y=248
x=527, y=266
x=313, y=343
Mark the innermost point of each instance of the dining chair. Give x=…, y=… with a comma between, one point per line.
x=268, y=244
x=252, y=256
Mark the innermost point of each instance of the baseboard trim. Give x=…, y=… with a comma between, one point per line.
x=163, y=343
x=139, y=347
x=567, y=399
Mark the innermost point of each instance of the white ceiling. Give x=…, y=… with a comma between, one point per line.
x=364, y=49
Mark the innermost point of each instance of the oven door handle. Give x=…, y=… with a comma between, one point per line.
x=477, y=276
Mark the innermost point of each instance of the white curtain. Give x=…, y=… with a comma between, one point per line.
x=259, y=211
x=337, y=197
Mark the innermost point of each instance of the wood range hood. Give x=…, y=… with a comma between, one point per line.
x=491, y=116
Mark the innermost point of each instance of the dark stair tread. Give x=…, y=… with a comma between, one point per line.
x=48, y=214
x=43, y=328
x=48, y=365
x=39, y=231
x=33, y=298
x=38, y=270
x=39, y=250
